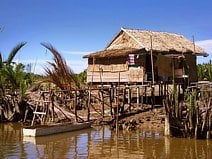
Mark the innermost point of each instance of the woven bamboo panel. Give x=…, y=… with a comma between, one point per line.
x=132, y=75
x=136, y=75
x=108, y=68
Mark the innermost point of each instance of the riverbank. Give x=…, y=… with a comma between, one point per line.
x=149, y=119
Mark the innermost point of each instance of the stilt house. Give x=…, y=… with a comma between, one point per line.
x=138, y=56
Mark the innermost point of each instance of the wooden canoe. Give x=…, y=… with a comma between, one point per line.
x=54, y=128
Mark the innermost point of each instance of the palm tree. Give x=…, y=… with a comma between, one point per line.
x=11, y=77
x=63, y=77
x=14, y=52
x=205, y=71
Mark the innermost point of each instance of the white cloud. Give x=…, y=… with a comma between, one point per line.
x=77, y=65
x=207, y=45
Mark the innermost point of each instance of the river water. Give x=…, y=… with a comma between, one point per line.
x=100, y=142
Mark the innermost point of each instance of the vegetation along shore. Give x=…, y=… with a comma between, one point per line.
x=181, y=108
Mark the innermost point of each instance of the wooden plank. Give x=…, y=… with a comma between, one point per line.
x=40, y=113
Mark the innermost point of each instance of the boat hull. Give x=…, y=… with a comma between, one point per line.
x=54, y=129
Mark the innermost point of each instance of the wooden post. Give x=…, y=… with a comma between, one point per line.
x=129, y=98
x=164, y=90
x=194, y=44
x=161, y=85
x=167, y=125
x=102, y=101
x=75, y=105
x=93, y=70
x=152, y=96
x=111, y=100
x=45, y=115
x=159, y=89
x=36, y=107
x=142, y=96
x=1, y=113
x=118, y=105
x=25, y=114
x=89, y=103
x=178, y=108
x=208, y=135
x=115, y=95
x=138, y=95
x=52, y=102
x=145, y=94
x=124, y=98
x=152, y=62
x=117, y=118
x=197, y=123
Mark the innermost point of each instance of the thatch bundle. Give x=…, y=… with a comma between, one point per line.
x=164, y=42
x=140, y=41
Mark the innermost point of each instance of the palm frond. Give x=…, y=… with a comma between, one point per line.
x=60, y=73
x=14, y=52
x=1, y=59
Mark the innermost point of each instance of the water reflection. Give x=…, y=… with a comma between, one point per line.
x=99, y=142
x=64, y=145
x=10, y=141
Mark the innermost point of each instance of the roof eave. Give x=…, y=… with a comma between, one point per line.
x=202, y=54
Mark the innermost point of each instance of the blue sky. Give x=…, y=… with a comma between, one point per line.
x=78, y=27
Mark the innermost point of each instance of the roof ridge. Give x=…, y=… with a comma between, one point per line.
x=134, y=38
x=146, y=30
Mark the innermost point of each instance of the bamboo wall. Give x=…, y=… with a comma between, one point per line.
x=107, y=69
x=131, y=75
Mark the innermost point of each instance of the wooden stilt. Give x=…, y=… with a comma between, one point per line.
x=111, y=100
x=89, y=103
x=138, y=95
x=145, y=93
x=161, y=85
x=129, y=98
x=159, y=89
x=75, y=105
x=124, y=98
x=102, y=102
x=167, y=125
x=152, y=96
x=52, y=105
x=142, y=96
x=25, y=114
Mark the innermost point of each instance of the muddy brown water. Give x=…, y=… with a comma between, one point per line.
x=100, y=142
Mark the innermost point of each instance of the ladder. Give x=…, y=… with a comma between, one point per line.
x=42, y=113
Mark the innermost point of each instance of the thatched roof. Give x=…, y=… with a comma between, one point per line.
x=113, y=52
x=161, y=42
